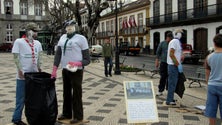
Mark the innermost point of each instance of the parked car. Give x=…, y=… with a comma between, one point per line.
x=190, y=54
x=96, y=50
x=127, y=49
x=6, y=47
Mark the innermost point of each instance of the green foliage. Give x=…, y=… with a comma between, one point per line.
x=127, y=68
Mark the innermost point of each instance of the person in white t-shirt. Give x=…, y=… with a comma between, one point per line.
x=174, y=58
x=27, y=56
x=73, y=53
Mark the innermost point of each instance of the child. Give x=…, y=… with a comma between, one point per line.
x=214, y=80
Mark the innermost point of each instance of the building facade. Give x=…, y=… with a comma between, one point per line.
x=15, y=14
x=131, y=25
x=200, y=20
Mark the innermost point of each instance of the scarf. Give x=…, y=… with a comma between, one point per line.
x=69, y=36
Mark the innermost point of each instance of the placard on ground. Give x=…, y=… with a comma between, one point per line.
x=141, y=104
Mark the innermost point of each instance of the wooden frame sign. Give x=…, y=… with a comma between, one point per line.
x=141, y=104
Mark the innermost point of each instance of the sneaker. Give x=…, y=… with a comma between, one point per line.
x=170, y=103
x=159, y=94
x=75, y=121
x=19, y=123
x=63, y=117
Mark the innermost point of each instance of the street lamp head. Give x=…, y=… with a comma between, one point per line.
x=104, y=5
x=121, y=2
x=111, y=3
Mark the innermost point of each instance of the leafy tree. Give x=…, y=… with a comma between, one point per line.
x=59, y=10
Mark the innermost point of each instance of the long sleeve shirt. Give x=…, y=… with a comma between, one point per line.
x=107, y=50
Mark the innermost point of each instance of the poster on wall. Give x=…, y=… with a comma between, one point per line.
x=141, y=104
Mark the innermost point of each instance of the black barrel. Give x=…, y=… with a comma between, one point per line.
x=41, y=106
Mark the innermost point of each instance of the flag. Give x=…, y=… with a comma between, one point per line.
x=126, y=24
x=123, y=25
x=130, y=21
x=134, y=22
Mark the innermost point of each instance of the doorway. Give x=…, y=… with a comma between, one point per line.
x=200, y=40
x=156, y=41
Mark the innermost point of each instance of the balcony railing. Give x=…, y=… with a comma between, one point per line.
x=133, y=30
x=8, y=16
x=210, y=11
x=126, y=31
x=105, y=34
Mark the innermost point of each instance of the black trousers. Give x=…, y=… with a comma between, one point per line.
x=163, y=76
x=108, y=60
x=72, y=94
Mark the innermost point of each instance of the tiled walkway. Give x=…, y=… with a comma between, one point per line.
x=103, y=97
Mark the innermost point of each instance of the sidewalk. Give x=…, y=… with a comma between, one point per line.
x=103, y=97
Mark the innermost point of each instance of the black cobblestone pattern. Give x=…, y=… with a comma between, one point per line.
x=115, y=99
x=99, y=93
x=122, y=121
x=1, y=95
x=105, y=90
x=121, y=95
x=162, y=108
x=94, y=84
x=110, y=86
x=161, y=123
x=163, y=115
x=87, y=103
x=103, y=111
x=93, y=98
x=96, y=118
x=194, y=118
x=10, y=110
x=6, y=101
x=109, y=105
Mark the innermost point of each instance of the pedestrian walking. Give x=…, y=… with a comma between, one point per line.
x=214, y=80
x=73, y=53
x=174, y=59
x=161, y=56
x=27, y=55
x=107, y=54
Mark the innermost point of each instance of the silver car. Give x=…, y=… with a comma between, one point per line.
x=96, y=50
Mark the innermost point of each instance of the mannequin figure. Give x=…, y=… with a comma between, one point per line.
x=73, y=53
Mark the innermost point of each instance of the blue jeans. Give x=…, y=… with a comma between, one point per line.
x=172, y=82
x=214, y=100
x=108, y=60
x=20, y=98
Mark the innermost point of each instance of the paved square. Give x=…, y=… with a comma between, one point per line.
x=103, y=97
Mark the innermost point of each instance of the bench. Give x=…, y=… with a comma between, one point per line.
x=198, y=77
x=150, y=68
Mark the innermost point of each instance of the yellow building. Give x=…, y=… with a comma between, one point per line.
x=131, y=23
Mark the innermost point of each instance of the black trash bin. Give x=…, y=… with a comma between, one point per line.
x=41, y=106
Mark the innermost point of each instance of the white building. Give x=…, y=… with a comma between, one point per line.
x=15, y=14
x=200, y=20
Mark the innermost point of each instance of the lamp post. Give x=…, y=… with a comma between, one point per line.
x=117, y=68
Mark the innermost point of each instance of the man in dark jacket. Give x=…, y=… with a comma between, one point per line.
x=161, y=54
x=107, y=53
